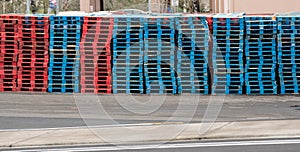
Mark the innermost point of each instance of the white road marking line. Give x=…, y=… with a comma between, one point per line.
x=173, y=146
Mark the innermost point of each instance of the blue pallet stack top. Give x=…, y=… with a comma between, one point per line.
x=128, y=54
x=227, y=56
x=159, y=55
x=261, y=57
x=192, y=54
x=65, y=37
x=289, y=52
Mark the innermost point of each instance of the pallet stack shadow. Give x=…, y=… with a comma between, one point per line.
x=192, y=55
x=128, y=55
x=228, y=39
x=65, y=35
x=8, y=52
x=96, y=55
x=260, y=50
x=33, y=53
x=159, y=58
x=289, y=53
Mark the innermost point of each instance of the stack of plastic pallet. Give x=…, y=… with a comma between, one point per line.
x=33, y=53
x=96, y=55
x=159, y=55
x=192, y=54
x=128, y=55
x=65, y=34
x=8, y=52
x=227, y=58
x=260, y=48
x=289, y=53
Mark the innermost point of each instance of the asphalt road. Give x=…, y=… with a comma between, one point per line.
x=25, y=111
x=292, y=145
x=255, y=148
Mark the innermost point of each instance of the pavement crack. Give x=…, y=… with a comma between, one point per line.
x=218, y=128
x=295, y=106
x=36, y=136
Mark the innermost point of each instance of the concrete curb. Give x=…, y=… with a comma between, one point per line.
x=148, y=133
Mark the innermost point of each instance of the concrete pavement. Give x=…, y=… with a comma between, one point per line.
x=26, y=111
x=146, y=133
x=26, y=120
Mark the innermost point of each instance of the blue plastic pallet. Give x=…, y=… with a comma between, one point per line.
x=293, y=89
x=127, y=41
x=63, y=89
x=192, y=88
x=160, y=86
x=63, y=82
x=261, y=91
x=225, y=89
x=154, y=73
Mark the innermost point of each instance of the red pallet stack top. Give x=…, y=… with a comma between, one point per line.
x=96, y=55
x=8, y=52
x=33, y=54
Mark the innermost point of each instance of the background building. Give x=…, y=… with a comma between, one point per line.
x=91, y=5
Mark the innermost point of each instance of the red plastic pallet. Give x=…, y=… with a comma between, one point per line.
x=8, y=52
x=7, y=76
x=33, y=47
x=32, y=84
x=96, y=68
x=9, y=16
x=4, y=48
x=33, y=52
x=96, y=91
x=32, y=73
x=8, y=89
x=5, y=72
x=2, y=64
x=8, y=29
x=8, y=57
x=8, y=43
x=29, y=89
x=32, y=64
x=8, y=85
x=97, y=80
x=43, y=37
x=8, y=21
x=96, y=55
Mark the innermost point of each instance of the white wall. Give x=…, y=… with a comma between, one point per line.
x=85, y=5
x=265, y=6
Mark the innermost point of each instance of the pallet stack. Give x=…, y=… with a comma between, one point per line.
x=65, y=35
x=96, y=55
x=289, y=53
x=128, y=55
x=261, y=59
x=8, y=52
x=159, y=58
x=192, y=55
x=227, y=58
x=33, y=54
